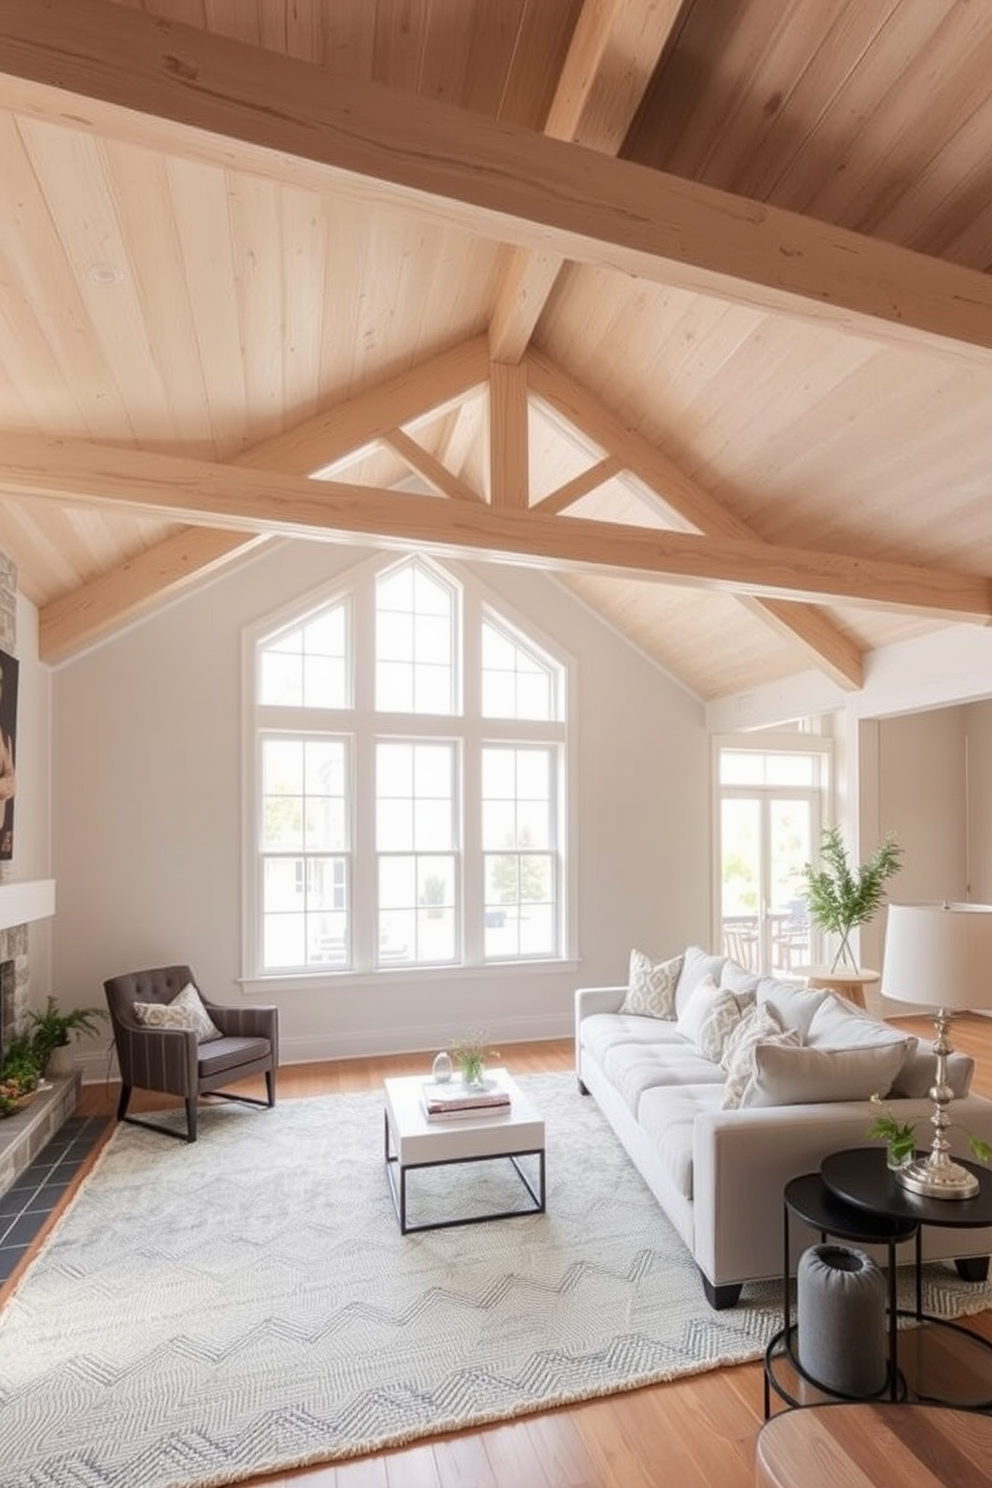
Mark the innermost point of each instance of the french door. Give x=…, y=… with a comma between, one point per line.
x=771, y=807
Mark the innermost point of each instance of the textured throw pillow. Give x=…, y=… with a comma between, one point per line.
x=758, y=1025
x=710, y=1017
x=185, y=1011
x=785, y=1076
x=651, y=986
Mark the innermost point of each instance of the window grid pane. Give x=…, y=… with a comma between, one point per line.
x=306, y=667
x=305, y=870
x=516, y=681
x=414, y=643
x=520, y=865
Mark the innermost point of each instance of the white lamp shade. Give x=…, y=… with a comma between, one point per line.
x=939, y=955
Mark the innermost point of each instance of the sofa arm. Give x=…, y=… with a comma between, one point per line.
x=589, y=1000
x=743, y=1159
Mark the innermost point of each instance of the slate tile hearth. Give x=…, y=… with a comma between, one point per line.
x=27, y=1204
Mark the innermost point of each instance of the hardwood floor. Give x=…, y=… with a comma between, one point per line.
x=697, y=1432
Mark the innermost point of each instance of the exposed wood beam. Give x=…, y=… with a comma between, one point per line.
x=418, y=390
x=614, y=50
x=509, y=472
x=134, y=586
x=830, y=647
x=428, y=468
x=96, y=66
x=579, y=486
x=269, y=501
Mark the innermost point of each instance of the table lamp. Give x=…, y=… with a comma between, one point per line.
x=939, y=955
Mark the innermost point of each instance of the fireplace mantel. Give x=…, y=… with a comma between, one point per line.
x=24, y=900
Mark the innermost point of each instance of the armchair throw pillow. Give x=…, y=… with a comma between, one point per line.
x=185, y=1011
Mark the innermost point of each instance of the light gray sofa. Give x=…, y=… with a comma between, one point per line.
x=803, y=1092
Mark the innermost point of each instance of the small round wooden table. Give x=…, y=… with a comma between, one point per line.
x=914, y=1446
x=849, y=984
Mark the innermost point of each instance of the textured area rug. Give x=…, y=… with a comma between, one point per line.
x=207, y=1313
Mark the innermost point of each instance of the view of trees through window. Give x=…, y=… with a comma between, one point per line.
x=398, y=826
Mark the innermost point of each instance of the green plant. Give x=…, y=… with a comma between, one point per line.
x=51, y=1029
x=20, y=1073
x=900, y=1136
x=472, y=1054
x=841, y=897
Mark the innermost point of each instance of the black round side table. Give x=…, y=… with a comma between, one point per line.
x=860, y=1177
x=807, y=1198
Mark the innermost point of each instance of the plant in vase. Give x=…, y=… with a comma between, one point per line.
x=841, y=897
x=900, y=1136
x=52, y=1031
x=471, y=1054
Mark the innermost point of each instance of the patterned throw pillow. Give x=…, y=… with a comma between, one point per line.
x=651, y=986
x=758, y=1026
x=186, y=1011
x=711, y=1015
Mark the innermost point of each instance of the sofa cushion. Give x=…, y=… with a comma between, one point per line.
x=696, y=964
x=737, y=979
x=838, y=1024
x=710, y=1016
x=604, y=1031
x=793, y=1004
x=918, y=1069
x=668, y=1118
x=651, y=986
x=634, y=1068
x=796, y=1076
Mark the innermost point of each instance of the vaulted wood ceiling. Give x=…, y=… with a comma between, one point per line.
x=688, y=304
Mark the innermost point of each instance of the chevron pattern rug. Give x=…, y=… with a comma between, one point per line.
x=207, y=1313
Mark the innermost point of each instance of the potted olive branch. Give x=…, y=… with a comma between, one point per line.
x=841, y=897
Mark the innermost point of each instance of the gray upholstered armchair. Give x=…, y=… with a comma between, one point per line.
x=243, y=1041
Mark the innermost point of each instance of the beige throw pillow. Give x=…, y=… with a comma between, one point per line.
x=710, y=1017
x=185, y=1011
x=651, y=986
x=758, y=1026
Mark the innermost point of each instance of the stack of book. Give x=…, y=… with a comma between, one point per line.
x=451, y=1101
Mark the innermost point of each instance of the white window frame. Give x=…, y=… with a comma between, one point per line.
x=362, y=725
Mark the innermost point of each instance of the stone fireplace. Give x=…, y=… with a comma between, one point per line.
x=13, y=983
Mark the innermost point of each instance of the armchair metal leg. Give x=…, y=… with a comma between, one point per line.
x=122, y=1103
x=191, y=1118
x=270, y=1086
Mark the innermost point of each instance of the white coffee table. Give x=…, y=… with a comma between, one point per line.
x=411, y=1141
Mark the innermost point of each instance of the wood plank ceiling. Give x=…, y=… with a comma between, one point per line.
x=688, y=304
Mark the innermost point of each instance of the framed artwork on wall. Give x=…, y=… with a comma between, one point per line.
x=8, y=751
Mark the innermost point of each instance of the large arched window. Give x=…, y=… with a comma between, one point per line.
x=407, y=791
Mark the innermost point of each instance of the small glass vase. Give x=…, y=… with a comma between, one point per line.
x=441, y=1070
x=474, y=1076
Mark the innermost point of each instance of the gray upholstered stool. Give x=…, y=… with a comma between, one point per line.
x=840, y=1306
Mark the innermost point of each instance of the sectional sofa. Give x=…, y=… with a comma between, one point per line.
x=722, y=1086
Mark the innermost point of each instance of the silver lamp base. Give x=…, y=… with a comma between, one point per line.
x=937, y=1180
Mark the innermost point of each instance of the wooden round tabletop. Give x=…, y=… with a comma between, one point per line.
x=916, y=1446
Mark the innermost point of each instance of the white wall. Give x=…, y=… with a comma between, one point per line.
x=978, y=724
x=147, y=818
